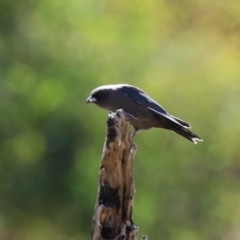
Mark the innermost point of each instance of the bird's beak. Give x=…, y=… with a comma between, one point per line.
x=90, y=100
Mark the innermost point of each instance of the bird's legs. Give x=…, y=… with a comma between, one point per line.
x=135, y=132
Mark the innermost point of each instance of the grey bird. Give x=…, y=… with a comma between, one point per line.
x=143, y=112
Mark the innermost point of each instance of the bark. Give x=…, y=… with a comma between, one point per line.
x=113, y=216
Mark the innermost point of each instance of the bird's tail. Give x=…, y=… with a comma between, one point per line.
x=187, y=134
x=183, y=123
x=178, y=126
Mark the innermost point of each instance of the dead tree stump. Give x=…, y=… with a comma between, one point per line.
x=115, y=200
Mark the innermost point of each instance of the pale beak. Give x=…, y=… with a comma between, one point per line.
x=90, y=100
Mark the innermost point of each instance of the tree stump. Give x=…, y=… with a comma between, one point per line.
x=115, y=199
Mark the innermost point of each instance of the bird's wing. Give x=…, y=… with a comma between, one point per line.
x=141, y=98
x=169, y=117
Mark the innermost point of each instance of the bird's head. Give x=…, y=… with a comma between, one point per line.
x=96, y=96
x=100, y=96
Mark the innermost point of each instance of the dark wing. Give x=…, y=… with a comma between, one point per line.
x=141, y=98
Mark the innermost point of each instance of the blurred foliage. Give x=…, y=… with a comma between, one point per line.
x=185, y=54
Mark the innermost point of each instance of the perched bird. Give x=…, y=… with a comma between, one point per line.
x=144, y=113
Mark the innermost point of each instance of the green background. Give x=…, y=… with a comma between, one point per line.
x=185, y=54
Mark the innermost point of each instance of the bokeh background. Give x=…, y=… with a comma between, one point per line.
x=185, y=54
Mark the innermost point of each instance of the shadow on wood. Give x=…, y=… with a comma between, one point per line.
x=115, y=200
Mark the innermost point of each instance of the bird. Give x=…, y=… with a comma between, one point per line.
x=143, y=112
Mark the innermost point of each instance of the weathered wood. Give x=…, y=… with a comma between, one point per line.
x=115, y=200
